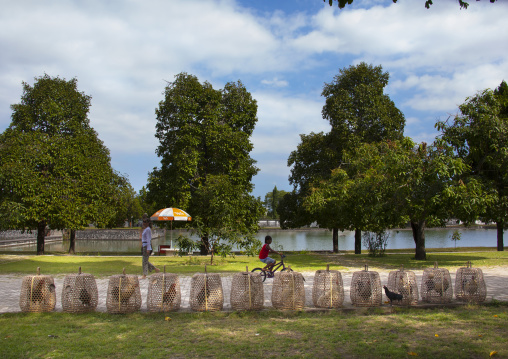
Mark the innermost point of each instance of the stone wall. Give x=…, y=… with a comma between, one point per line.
x=115, y=234
x=18, y=234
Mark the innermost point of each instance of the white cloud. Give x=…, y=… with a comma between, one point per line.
x=282, y=119
x=275, y=82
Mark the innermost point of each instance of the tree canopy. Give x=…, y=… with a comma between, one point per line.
x=272, y=200
x=358, y=112
x=342, y=3
x=206, y=167
x=54, y=170
x=390, y=183
x=479, y=135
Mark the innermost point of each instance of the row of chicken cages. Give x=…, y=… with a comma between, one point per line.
x=80, y=293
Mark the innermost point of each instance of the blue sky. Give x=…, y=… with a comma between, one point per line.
x=122, y=52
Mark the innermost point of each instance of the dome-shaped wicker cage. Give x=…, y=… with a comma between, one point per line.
x=436, y=285
x=79, y=293
x=164, y=293
x=288, y=291
x=247, y=291
x=328, y=289
x=124, y=294
x=404, y=282
x=206, y=292
x=366, y=289
x=38, y=293
x=470, y=285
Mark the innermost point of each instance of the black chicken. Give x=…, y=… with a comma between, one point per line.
x=392, y=295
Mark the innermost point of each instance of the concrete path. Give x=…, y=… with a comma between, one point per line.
x=496, y=279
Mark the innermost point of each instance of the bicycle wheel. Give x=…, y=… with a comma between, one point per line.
x=261, y=272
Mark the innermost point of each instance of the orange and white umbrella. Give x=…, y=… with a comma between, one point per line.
x=171, y=214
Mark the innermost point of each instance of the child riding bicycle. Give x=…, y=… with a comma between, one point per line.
x=263, y=254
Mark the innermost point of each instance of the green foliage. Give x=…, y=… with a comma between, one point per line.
x=390, y=183
x=456, y=236
x=206, y=167
x=357, y=108
x=185, y=245
x=359, y=112
x=54, y=170
x=375, y=242
x=342, y=3
x=479, y=136
x=272, y=200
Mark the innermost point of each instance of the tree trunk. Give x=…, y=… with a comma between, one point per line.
x=335, y=240
x=419, y=238
x=72, y=239
x=41, y=235
x=204, y=245
x=358, y=241
x=500, y=240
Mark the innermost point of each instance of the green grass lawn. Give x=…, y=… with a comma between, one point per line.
x=304, y=262
x=465, y=331
x=462, y=332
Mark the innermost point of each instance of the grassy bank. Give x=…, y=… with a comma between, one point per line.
x=462, y=332
x=303, y=262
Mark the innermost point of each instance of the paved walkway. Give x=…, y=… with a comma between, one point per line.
x=496, y=280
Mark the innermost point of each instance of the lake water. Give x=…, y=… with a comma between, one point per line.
x=295, y=240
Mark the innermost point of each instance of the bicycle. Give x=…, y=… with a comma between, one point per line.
x=271, y=272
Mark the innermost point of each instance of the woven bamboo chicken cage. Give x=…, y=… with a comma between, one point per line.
x=288, y=291
x=366, y=289
x=404, y=282
x=470, y=285
x=79, y=294
x=164, y=293
x=38, y=293
x=206, y=294
x=124, y=294
x=247, y=291
x=328, y=289
x=436, y=285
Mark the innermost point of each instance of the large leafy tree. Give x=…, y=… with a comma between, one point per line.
x=426, y=184
x=390, y=183
x=358, y=112
x=479, y=135
x=342, y=3
x=205, y=148
x=54, y=170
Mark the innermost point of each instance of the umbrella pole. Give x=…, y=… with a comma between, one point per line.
x=171, y=243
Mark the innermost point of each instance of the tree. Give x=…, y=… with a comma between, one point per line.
x=316, y=155
x=147, y=206
x=205, y=154
x=463, y=4
x=54, y=170
x=358, y=112
x=272, y=200
x=479, y=135
x=126, y=202
x=421, y=184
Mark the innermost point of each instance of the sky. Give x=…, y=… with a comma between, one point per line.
x=124, y=52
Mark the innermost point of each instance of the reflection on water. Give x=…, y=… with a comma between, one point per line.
x=292, y=240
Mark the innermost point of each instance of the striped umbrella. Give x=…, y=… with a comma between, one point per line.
x=171, y=214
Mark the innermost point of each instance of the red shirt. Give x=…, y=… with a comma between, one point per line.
x=263, y=253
